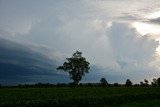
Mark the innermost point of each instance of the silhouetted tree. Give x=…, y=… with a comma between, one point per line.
x=142, y=84
x=146, y=82
x=136, y=85
x=154, y=83
x=103, y=82
x=76, y=66
x=128, y=83
x=158, y=81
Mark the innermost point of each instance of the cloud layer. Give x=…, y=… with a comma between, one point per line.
x=102, y=29
x=26, y=63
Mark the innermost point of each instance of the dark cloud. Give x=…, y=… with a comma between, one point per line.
x=20, y=63
x=154, y=21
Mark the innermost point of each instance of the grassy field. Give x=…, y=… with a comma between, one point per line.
x=80, y=96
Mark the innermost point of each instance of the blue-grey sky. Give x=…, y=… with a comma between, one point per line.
x=120, y=38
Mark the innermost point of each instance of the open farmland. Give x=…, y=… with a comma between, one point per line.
x=80, y=96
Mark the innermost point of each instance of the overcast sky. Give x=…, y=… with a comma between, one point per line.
x=120, y=38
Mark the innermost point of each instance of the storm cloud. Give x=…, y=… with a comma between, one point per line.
x=22, y=62
x=38, y=36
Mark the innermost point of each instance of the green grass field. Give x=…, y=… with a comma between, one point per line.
x=80, y=96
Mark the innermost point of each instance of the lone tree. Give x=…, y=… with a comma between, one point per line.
x=128, y=83
x=76, y=66
x=103, y=82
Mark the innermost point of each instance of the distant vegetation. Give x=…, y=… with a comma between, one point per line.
x=102, y=83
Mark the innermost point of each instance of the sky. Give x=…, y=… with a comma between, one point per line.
x=120, y=38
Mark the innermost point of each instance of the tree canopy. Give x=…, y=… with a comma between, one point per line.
x=128, y=83
x=103, y=82
x=76, y=66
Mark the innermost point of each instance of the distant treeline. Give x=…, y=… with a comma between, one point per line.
x=102, y=83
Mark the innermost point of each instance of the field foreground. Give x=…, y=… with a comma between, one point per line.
x=80, y=97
